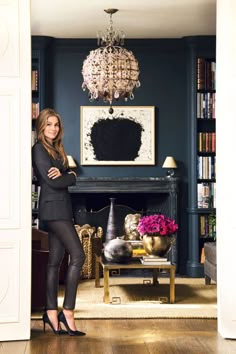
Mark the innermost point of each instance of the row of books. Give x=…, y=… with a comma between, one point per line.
x=207, y=227
x=206, y=74
x=206, y=195
x=34, y=80
x=35, y=196
x=206, y=167
x=206, y=105
x=207, y=142
x=35, y=110
x=154, y=260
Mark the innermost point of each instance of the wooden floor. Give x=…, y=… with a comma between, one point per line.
x=147, y=336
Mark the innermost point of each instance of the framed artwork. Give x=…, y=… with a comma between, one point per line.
x=125, y=137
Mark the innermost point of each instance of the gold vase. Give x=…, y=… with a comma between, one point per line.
x=157, y=245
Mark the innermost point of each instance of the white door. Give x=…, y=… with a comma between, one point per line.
x=226, y=147
x=15, y=169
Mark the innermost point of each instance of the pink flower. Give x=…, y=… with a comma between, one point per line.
x=157, y=224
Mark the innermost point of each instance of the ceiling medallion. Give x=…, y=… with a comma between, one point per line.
x=110, y=72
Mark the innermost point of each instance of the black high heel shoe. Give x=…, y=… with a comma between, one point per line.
x=47, y=320
x=62, y=319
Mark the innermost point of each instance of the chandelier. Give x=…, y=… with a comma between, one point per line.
x=110, y=72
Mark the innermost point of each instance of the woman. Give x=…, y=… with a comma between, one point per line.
x=51, y=168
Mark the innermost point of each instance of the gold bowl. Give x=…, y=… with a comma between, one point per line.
x=157, y=245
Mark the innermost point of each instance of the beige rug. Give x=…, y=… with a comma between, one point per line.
x=193, y=299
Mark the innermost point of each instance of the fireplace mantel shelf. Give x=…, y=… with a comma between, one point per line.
x=125, y=185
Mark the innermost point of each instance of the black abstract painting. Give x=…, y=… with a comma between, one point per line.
x=124, y=137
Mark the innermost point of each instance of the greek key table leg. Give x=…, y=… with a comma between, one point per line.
x=172, y=285
x=106, y=297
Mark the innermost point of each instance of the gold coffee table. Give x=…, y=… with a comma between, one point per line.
x=133, y=264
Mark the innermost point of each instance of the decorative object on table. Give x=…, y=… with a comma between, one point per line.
x=91, y=239
x=157, y=245
x=130, y=226
x=112, y=230
x=126, y=137
x=110, y=72
x=157, y=232
x=171, y=165
x=137, y=248
x=118, y=251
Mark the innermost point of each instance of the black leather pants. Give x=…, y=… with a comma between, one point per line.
x=63, y=236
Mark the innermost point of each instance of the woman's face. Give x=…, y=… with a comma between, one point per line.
x=52, y=129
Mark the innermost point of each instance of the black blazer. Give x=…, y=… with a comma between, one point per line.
x=54, y=199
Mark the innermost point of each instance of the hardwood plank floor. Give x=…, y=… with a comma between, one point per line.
x=149, y=336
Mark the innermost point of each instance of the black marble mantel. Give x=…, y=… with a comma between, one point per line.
x=146, y=194
x=125, y=185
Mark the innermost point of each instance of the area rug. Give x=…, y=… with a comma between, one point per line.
x=137, y=298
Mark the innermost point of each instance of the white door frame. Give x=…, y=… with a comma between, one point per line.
x=15, y=177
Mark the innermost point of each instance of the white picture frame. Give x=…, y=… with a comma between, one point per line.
x=125, y=137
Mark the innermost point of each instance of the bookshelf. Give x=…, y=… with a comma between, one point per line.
x=36, y=89
x=202, y=150
x=41, y=97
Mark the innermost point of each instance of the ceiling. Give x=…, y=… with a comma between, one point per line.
x=137, y=18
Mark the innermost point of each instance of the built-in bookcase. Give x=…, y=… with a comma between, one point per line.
x=202, y=149
x=35, y=86
x=206, y=149
x=40, y=83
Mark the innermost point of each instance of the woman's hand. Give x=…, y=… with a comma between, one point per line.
x=54, y=172
x=73, y=172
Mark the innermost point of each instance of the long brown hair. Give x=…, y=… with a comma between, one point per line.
x=57, y=148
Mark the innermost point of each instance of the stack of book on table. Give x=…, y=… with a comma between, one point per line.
x=154, y=260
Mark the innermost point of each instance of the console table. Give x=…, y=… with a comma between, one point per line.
x=107, y=266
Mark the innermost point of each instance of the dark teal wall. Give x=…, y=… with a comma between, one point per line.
x=163, y=66
x=163, y=85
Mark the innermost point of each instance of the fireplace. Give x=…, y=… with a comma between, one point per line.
x=146, y=195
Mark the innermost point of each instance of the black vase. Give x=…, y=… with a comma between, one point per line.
x=112, y=230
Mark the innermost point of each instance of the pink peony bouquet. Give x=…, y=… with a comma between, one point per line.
x=157, y=224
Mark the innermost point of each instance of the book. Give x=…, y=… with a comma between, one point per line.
x=154, y=258
x=34, y=80
x=201, y=72
x=202, y=260
x=154, y=262
x=138, y=252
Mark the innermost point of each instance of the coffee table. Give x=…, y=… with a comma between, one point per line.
x=133, y=264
